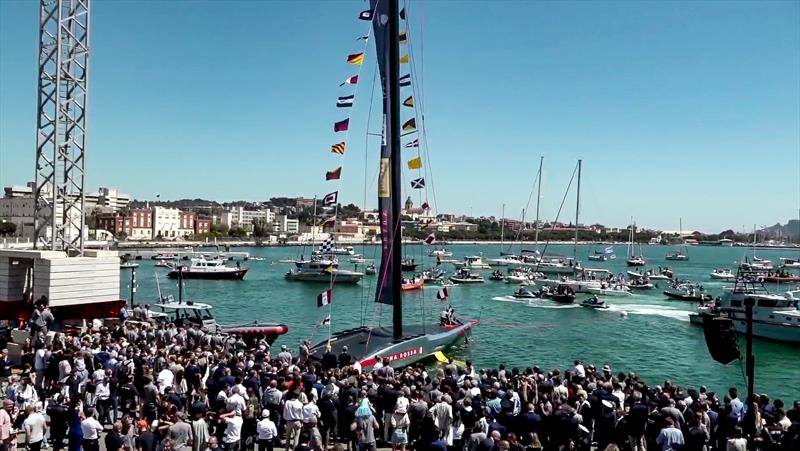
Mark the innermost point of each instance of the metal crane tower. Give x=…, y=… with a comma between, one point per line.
x=61, y=128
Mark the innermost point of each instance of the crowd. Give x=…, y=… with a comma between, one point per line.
x=149, y=387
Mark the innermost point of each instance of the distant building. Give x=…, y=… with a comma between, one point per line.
x=282, y=224
x=202, y=226
x=137, y=224
x=241, y=217
x=186, y=221
x=303, y=202
x=166, y=223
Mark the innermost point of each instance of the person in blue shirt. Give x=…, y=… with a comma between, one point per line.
x=737, y=406
x=670, y=438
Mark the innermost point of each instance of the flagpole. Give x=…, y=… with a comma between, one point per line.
x=314, y=222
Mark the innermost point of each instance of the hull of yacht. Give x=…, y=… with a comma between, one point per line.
x=188, y=273
x=419, y=342
x=788, y=331
x=339, y=276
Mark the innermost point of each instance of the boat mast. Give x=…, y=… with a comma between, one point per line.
x=577, y=212
x=538, y=198
x=502, y=226
x=393, y=129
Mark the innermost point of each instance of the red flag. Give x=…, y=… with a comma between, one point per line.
x=425, y=206
x=330, y=222
x=334, y=174
x=430, y=239
x=350, y=80
x=341, y=126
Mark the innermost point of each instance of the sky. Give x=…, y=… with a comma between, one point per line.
x=678, y=109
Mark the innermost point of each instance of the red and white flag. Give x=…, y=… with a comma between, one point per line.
x=430, y=239
x=325, y=321
x=350, y=80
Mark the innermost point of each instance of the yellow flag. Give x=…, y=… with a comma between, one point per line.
x=404, y=58
x=415, y=163
x=409, y=101
x=356, y=58
x=329, y=269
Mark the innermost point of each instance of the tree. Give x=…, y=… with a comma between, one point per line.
x=349, y=211
x=7, y=228
x=218, y=229
x=261, y=227
x=237, y=232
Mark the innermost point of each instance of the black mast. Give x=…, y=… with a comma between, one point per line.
x=393, y=107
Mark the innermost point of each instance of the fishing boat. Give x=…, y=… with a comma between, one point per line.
x=400, y=344
x=464, y=275
x=722, y=274
x=775, y=316
x=208, y=269
x=594, y=303
x=472, y=262
x=413, y=284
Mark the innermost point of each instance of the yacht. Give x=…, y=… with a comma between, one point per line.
x=346, y=250
x=208, y=269
x=472, y=262
x=790, y=263
x=440, y=253
x=774, y=316
x=505, y=260
x=322, y=270
x=677, y=256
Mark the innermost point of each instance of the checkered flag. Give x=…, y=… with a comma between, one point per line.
x=327, y=246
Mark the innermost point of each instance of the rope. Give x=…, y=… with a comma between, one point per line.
x=563, y=200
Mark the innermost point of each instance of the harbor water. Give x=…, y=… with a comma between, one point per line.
x=653, y=337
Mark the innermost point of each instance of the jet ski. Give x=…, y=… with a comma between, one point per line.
x=594, y=303
x=524, y=293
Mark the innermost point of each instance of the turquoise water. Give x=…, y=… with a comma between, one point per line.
x=655, y=339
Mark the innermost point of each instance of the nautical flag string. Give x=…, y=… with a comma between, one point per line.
x=418, y=183
x=345, y=101
x=325, y=298
x=341, y=126
x=403, y=37
x=430, y=239
x=331, y=198
x=410, y=125
x=329, y=222
x=415, y=163
x=442, y=294
x=414, y=143
x=358, y=58
x=403, y=14
x=409, y=102
x=363, y=38
x=405, y=80
x=338, y=148
x=425, y=205
x=325, y=321
x=334, y=174
x=403, y=59
x=350, y=81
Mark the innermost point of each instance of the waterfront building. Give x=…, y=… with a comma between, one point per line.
x=243, y=217
x=186, y=220
x=136, y=224
x=166, y=223
x=283, y=224
x=202, y=226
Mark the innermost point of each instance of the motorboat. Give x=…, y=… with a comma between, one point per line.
x=322, y=270
x=164, y=264
x=370, y=270
x=604, y=255
x=207, y=269
x=662, y=274
x=466, y=276
x=595, y=303
x=775, y=316
x=722, y=274
x=497, y=275
x=472, y=262
x=360, y=259
x=564, y=294
x=790, y=263
x=188, y=314
x=254, y=258
x=128, y=265
x=677, y=256
x=412, y=284
x=505, y=260
x=686, y=292
x=337, y=250
x=636, y=261
x=408, y=264
x=781, y=276
x=442, y=252
x=641, y=284
x=525, y=293
x=611, y=290
x=434, y=274
x=164, y=257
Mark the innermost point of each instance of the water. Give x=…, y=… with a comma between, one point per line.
x=655, y=338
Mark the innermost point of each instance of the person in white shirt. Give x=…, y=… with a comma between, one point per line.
x=293, y=415
x=35, y=427
x=40, y=365
x=235, y=401
x=165, y=379
x=91, y=429
x=267, y=432
x=102, y=399
x=579, y=370
x=233, y=430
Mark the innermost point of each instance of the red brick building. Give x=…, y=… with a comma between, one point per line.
x=186, y=221
x=202, y=226
x=137, y=224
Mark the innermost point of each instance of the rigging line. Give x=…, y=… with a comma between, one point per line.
x=553, y=225
x=365, y=290
x=527, y=205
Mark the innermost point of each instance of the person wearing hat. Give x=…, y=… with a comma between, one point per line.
x=267, y=432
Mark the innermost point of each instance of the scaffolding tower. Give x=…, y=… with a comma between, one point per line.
x=61, y=128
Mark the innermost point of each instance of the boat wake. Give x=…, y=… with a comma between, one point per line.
x=537, y=303
x=651, y=310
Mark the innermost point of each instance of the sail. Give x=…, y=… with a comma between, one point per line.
x=380, y=20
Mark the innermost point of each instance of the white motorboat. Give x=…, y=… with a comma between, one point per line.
x=774, y=316
x=128, y=265
x=615, y=290
x=440, y=253
x=322, y=270
x=677, y=256
x=722, y=274
x=472, y=262
x=214, y=269
x=790, y=263
x=346, y=250
x=465, y=276
x=362, y=260
x=506, y=260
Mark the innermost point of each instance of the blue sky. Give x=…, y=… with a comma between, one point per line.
x=678, y=109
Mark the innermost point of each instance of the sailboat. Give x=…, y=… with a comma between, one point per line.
x=680, y=254
x=634, y=260
x=399, y=344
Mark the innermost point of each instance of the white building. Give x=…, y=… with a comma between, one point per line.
x=240, y=217
x=166, y=222
x=282, y=224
